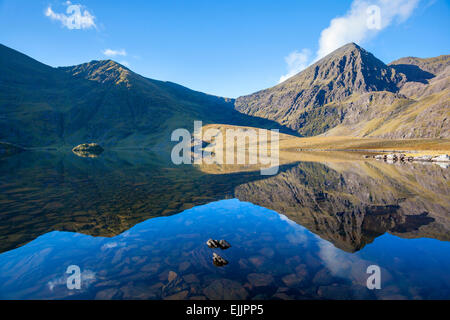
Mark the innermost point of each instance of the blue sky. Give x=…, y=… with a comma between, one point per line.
x=228, y=48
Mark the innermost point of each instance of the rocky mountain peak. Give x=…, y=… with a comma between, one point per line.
x=351, y=67
x=347, y=71
x=104, y=71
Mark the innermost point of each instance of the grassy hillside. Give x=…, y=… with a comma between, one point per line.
x=99, y=101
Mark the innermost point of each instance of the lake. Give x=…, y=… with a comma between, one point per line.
x=137, y=226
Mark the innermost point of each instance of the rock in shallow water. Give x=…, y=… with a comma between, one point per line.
x=223, y=244
x=214, y=244
x=260, y=279
x=225, y=289
x=219, y=261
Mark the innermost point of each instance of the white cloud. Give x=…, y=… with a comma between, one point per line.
x=355, y=25
x=125, y=63
x=109, y=245
x=338, y=262
x=113, y=53
x=296, y=62
x=78, y=17
x=358, y=25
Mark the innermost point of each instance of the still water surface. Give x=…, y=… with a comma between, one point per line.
x=137, y=226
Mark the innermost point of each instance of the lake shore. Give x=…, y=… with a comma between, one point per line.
x=413, y=147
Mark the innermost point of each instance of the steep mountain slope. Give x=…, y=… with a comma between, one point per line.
x=420, y=109
x=350, y=92
x=427, y=115
x=99, y=101
x=301, y=101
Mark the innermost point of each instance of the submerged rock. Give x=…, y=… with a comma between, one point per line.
x=260, y=279
x=90, y=150
x=225, y=289
x=176, y=287
x=219, y=261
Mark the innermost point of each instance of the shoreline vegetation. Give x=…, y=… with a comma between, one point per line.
x=332, y=149
x=410, y=147
x=313, y=148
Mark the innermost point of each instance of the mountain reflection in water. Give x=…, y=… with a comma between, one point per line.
x=307, y=233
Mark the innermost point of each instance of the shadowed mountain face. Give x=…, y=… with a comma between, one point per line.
x=100, y=101
x=428, y=66
x=413, y=72
x=350, y=92
x=349, y=204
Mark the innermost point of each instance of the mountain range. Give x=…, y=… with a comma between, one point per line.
x=347, y=93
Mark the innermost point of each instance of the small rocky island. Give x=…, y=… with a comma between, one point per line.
x=89, y=150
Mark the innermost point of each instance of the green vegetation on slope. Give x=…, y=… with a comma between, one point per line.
x=99, y=101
